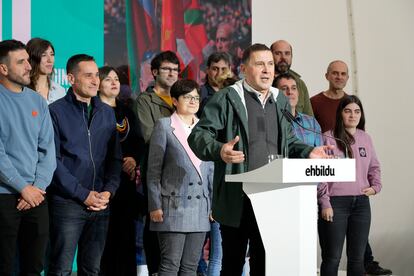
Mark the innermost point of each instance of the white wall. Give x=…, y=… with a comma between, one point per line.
x=317, y=37
x=385, y=51
x=319, y=31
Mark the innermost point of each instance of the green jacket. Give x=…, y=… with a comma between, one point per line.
x=224, y=117
x=304, y=104
x=150, y=107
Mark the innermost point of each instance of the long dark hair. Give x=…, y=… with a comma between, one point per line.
x=35, y=48
x=340, y=131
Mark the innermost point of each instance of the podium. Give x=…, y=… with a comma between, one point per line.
x=284, y=199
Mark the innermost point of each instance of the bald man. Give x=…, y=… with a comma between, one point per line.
x=325, y=103
x=282, y=56
x=324, y=107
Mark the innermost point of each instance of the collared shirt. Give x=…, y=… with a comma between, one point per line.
x=188, y=128
x=259, y=95
x=308, y=137
x=55, y=92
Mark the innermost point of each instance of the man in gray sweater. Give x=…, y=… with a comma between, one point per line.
x=27, y=163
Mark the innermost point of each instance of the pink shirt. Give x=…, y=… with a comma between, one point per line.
x=368, y=171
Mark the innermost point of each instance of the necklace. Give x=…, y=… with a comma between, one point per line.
x=185, y=121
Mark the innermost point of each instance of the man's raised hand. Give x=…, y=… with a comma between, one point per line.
x=229, y=155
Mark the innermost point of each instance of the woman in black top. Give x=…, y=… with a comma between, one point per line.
x=119, y=254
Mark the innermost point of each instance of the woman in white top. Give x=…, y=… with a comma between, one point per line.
x=42, y=60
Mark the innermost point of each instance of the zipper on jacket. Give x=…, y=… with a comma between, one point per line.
x=90, y=147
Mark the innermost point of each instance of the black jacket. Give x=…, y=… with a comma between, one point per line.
x=88, y=151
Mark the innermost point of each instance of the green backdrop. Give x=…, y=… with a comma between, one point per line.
x=73, y=27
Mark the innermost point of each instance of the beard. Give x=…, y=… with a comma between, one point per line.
x=282, y=67
x=166, y=83
x=18, y=79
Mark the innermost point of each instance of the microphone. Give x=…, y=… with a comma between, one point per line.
x=291, y=119
x=283, y=110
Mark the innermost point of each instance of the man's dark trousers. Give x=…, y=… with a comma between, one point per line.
x=28, y=230
x=234, y=242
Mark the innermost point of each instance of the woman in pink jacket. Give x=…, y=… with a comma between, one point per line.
x=344, y=208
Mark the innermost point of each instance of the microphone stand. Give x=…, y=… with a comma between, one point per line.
x=292, y=120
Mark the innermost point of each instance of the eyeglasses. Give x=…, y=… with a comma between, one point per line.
x=189, y=98
x=169, y=69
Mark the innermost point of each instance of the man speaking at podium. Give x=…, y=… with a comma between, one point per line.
x=241, y=127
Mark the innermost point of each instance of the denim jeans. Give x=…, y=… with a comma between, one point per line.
x=71, y=226
x=216, y=252
x=368, y=257
x=351, y=219
x=202, y=264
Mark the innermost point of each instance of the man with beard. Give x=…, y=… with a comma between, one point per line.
x=27, y=162
x=151, y=106
x=156, y=104
x=282, y=56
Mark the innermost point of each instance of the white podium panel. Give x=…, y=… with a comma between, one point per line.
x=299, y=171
x=284, y=200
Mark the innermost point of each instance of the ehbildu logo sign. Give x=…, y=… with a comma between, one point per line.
x=320, y=171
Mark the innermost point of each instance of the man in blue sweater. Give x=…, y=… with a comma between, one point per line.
x=27, y=162
x=88, y=171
